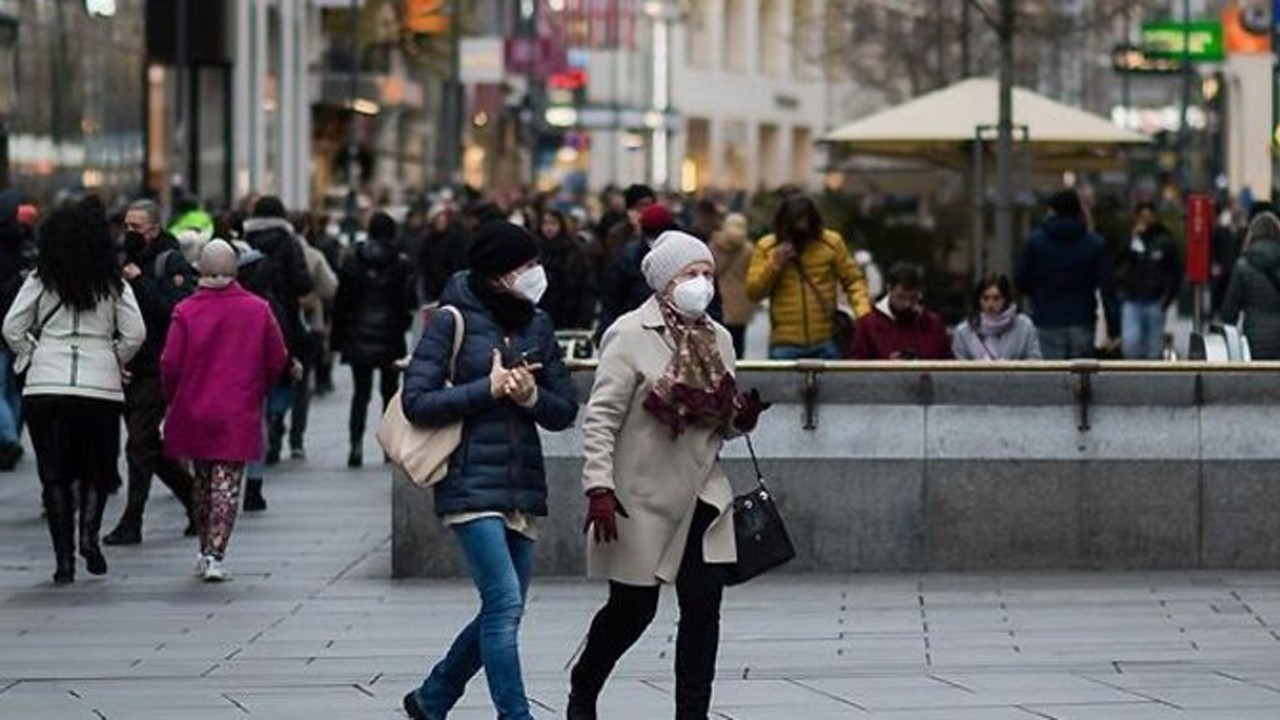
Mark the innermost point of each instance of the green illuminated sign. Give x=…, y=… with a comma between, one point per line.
x=1166, y=38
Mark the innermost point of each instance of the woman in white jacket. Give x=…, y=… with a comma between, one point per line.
x=72, y=327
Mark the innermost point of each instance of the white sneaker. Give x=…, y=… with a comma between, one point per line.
x=202, y=563
x=213, y=572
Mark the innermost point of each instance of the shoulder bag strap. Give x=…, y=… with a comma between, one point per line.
x=459, y=331
x=754, y=462
x=38, y=329
x=804, y=276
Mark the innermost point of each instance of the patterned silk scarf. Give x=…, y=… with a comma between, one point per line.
x=695, y=389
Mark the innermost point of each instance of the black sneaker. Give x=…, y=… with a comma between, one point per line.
x=355, y=459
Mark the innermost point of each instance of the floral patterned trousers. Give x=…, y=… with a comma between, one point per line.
x=217, y=501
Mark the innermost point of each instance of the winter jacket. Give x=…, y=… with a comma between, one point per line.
x=659, y=481
x=375, y=304
x=287, y=279
x=623, y=287
x=498, y=465
x=1063, y=268
x=881, y=335
x=1019, y=342
x=79, y=353
x=223, y=354
x=1252, y=293
x=440, y=257
x=798, y=315
x=158, y=290
x=733, y=259
x=1150, y=270
x=570, y=296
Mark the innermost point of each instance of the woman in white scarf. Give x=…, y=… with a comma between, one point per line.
x=996, y=330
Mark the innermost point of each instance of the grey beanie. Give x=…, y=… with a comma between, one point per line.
x=671, y=253
x=1266, y=226
x=218, y=260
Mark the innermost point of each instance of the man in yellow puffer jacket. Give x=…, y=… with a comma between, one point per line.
x=799, y=270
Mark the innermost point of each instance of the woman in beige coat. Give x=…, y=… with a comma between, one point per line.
x=732, y=250
x=660, y=507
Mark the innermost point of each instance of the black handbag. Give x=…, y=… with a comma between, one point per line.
x=762, y=539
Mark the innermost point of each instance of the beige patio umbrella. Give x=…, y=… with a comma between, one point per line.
x=940, y=127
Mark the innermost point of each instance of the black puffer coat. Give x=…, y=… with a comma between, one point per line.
x=499, y=465
x=374, y=306
x=286, y=275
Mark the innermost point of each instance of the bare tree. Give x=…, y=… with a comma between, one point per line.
x=905, y=48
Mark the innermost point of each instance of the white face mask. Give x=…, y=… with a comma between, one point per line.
x=692, y=297
x=530, y=284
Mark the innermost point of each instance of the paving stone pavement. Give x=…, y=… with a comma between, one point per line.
x=312, y=627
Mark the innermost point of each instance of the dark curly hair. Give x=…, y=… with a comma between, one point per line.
x=77, y=258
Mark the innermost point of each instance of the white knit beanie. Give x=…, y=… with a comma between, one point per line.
x=217, y=264
x=671, y=253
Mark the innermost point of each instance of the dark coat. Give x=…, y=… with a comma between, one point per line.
x=1063, y=266
x=155, y=299
x=440, y=256
x=499, y=465
x=286, y=275
x=1150, y=270
x=570, y=296
x=374, y=306
x=1254, y=290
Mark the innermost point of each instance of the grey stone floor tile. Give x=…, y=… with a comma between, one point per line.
x=312, y=626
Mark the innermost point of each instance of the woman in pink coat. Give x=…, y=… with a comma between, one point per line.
x=223, y=354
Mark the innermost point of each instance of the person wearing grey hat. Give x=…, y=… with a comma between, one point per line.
x=659, y=507
x=1254, y=288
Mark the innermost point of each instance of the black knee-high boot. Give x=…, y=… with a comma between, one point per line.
x=60, y=515
x=92, y=502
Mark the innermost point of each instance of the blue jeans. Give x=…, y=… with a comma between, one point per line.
x=1066, y=343
x=501, y=562
x=821, y=351
x=10, y=401
x=1142, y=329
x=279, y=401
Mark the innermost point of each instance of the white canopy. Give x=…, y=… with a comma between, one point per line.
x=942, y=125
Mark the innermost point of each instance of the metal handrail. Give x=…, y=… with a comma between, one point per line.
x=968, y=367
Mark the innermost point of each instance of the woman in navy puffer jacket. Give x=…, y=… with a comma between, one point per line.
x=508, y=380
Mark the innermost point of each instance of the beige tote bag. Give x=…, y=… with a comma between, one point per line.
x=423, y=453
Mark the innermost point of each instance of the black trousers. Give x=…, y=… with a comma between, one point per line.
x=739, y=335
x=144, y=409
x=75, y=439
x=300, y=413
x=630, y=609
x=362, y=378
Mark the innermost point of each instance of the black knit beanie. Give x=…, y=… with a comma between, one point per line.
x=499, y=248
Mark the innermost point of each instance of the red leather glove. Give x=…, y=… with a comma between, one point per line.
x=602, y=511
x=747, y=409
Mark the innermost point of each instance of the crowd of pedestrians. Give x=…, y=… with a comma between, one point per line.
x=207, y=337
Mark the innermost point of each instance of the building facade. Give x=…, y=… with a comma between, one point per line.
x=71, y=106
